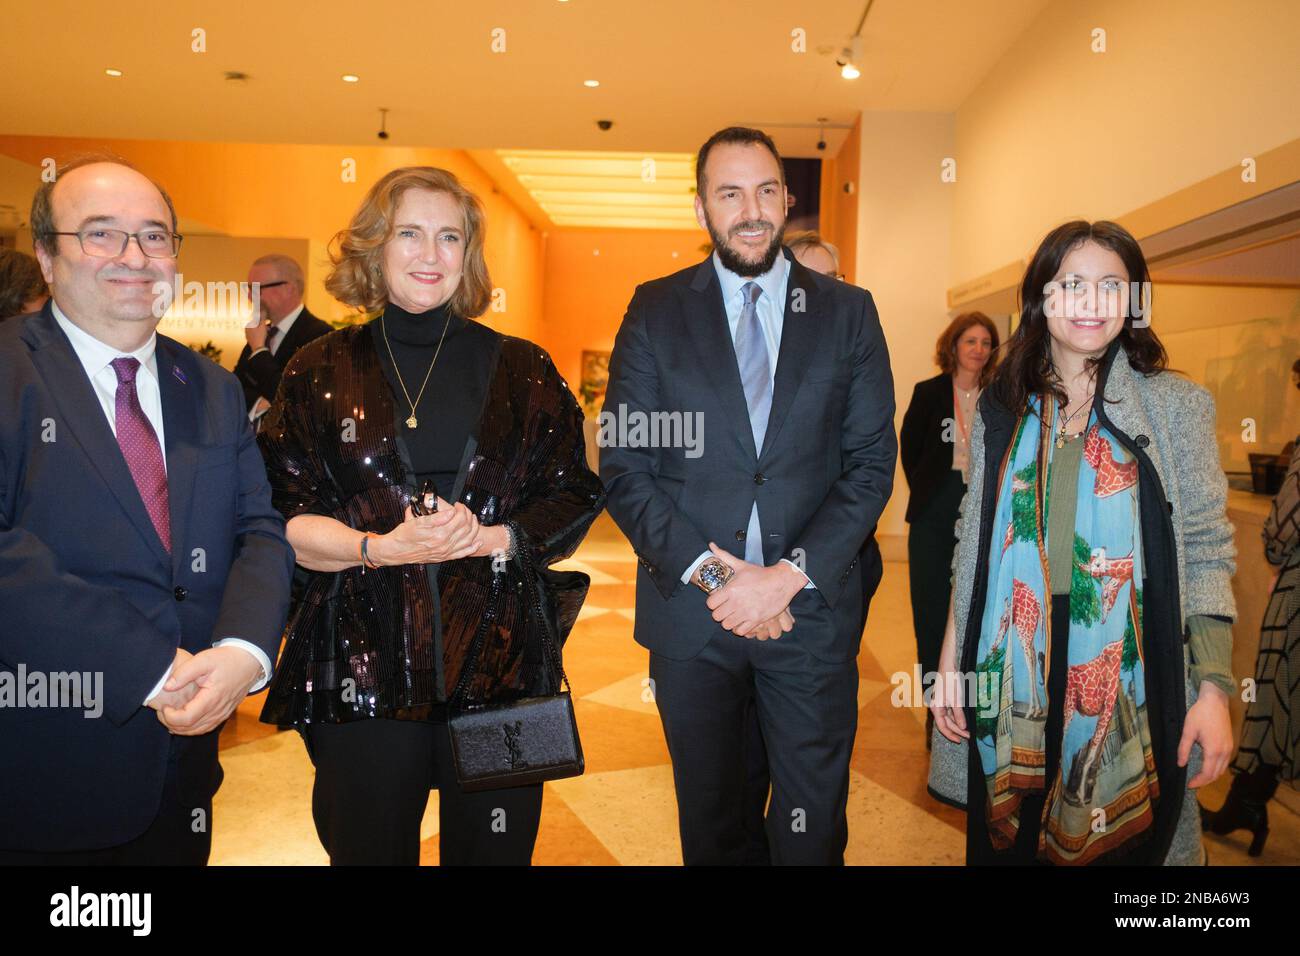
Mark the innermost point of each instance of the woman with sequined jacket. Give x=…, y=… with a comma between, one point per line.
x=408, y=613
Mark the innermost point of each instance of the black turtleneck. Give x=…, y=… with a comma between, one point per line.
x=448, y=412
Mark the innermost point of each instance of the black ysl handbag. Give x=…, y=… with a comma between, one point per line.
x=530, y=740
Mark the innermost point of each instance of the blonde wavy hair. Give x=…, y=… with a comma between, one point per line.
x=357, y=252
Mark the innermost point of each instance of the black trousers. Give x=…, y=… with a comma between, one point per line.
x=979, y=848
x=806, y=713
x=373, y=779
x=181, y=833
x=931, y=539
x=758, y=783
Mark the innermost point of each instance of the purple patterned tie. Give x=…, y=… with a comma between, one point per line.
x=140, y=448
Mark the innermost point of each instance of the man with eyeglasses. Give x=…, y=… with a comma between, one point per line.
x=283, y=327
x=142, y=566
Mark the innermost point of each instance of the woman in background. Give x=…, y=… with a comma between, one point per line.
x=1270, y=735
x=934, y=448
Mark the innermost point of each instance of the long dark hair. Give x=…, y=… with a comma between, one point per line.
x=1026, y=368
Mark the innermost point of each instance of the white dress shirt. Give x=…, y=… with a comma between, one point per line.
x=771, y=318
x=284, y=325
x=96, y=358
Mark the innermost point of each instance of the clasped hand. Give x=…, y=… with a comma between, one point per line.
x=755, y=602
x=450, y=533
x=204, y=689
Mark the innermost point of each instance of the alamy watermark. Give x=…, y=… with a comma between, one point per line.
x=639, y=429
x=179, y=299
x=76, y=690
x=1080, y=299
x=973, y=689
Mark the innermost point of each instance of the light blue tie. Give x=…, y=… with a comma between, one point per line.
x=751, y=356
x=756, y=379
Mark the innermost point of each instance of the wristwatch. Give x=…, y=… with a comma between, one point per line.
x=713, y=575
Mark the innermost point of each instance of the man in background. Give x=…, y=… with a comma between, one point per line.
x=285, y=327
x=815, y=253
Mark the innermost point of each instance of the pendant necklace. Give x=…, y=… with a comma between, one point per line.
x=1060, y=435
x=412, y=421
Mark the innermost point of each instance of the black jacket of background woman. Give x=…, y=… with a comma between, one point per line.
x=926, y=457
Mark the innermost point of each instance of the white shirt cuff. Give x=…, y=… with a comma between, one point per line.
x=258, y=654
x=686, y=578
x=803, y=572
x=157, y=688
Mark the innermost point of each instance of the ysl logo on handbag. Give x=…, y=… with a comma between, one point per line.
x=512, y=733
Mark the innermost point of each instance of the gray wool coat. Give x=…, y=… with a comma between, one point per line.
x=1177, y=418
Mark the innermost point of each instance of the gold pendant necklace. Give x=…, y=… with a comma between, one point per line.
x=412, y=421
x=1060, y=435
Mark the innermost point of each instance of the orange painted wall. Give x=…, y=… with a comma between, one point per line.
x=587, y=293
x=299, y=191
x=839, y=209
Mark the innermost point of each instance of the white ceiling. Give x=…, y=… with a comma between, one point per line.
x=671, y=71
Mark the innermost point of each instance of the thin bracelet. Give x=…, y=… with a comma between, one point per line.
x=365, y=553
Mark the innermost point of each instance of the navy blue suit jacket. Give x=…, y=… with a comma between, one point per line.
x=86, y=585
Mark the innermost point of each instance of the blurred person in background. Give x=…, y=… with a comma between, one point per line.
x=815, y=253
x=934, y=448
x=1270, y=734
x=22, y=287
x=282, y=328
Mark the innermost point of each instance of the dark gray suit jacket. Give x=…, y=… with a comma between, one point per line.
x=821, y=482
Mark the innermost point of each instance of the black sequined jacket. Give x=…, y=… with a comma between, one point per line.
x=376, y=643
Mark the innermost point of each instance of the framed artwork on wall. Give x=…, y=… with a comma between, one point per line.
x=595, y=377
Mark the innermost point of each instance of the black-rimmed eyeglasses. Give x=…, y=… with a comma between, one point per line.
x=111, y=243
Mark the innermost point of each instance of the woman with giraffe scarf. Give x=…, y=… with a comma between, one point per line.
x=1085, y=663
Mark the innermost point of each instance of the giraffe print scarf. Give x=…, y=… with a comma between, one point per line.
x=1104, y=788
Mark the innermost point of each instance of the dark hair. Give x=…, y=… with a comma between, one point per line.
x=1026, y=368
x=945, y=350
x=741, y=135
x=20, y=282
x=42, y=218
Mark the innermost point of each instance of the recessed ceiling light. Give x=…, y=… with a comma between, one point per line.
x=591, y=82
x=350, y=78
x=113, y=72
x=849, y=71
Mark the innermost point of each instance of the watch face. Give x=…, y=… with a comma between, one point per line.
x=713, y=574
